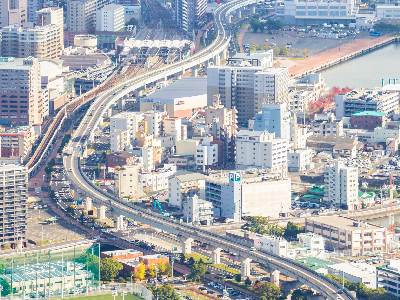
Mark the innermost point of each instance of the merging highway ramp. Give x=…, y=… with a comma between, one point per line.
x=186, y=232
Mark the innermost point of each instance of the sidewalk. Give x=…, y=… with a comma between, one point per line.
x=242, y=32
x=199, y=35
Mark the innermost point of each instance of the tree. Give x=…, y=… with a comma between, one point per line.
x=182, y=258
x=197, y=271
x=267, y=290
x=247, y=281
x=6, y=287
x=238, y=277
x=140, y=271
x=2, y=268
x=92, y=263
x=166, y=292
x=121, y=280
x=301, y=294
x=276, y=51
x=70, y=210
x=191, y=260
x=151, y=271
x=255, y=24
x=284, y=51
x=97, y=171
x=161, y=267
x=109, y=268
x=295, y=51
x=306, y=52
x=292, y=230
x=132, y=21
x=168, y=269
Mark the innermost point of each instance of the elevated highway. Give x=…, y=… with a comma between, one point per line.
x=186, y=233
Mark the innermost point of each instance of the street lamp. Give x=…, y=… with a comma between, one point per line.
x=123, y=293
x=114, y=294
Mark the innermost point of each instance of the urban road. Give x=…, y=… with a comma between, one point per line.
x=328, y=288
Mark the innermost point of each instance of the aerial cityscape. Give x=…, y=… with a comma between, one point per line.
x=193, y=149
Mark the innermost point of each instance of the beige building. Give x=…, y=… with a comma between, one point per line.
x=186, y=147
x=342, y=233
x=20, y=91
x=52, y=15
x=17, y=142
x=81, y=15
x=38, y=42
x=126, y=181
x=327, y=125
x=13, y=12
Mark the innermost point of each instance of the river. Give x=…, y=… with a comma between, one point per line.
x=366, y=71
x=384, y=221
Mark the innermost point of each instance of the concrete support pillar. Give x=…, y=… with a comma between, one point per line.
x=229, y=19
x=206, y=64
x=216, y=254
x=186, y=244
x=245, y=266
x=253, y=9
x=216, y=60
x=102, y=212
x=238, y=13
x=275, y=277
x=194, y=72
x=88, y=204
x=224, y=54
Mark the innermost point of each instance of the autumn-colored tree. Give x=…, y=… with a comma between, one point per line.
x=140, y=271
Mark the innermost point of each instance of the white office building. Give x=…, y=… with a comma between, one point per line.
x=110, y=18
x=81, y=15
x=300, y=159
x=197, y=211
x=206, y=154
x=156, y=181
x=388, y=276
x=387, y=11
x=355, y=272
x=301, y=12
x=126, y=181
x=341, y=185
x=261, y=149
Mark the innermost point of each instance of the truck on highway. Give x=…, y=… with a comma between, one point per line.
x=69, y=151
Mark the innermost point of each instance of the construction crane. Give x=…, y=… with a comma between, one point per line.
x=157, y=203
x=391, y=245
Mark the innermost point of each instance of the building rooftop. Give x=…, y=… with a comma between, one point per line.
x=112, y=7
x=12, y=167
x=355, y=269
x=184, y=176
x=123, y=154
x=368, y=95
x=315, y=263
x=370, y=113
x=184, y=88
x=344, y=222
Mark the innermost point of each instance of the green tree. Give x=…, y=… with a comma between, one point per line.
x=2, y=268
x=191, y=260
x=301, y=294
x=306, y=52
x=267, y=290
x=151, y=271
x=121, y=280
x=197, y=271
x=276, y=51
x=255, y=24
x=292, y=230
x=92, y=263
x=6, y=287
x=284, y=51
x=238, y=277
x=247, y=281
x=132, y=21
x=140, y=271
x=182, y=258
x=97, y=171
x=70, y=211
x=109, y=268
x=161, y=267
x=165, y=292
x=295, y=51
x=168, y=269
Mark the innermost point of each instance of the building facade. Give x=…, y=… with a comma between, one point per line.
x=51, y=15
x=14, y=194
x=190, y=14
x=126, y=182
x=197, y=211
x=81, y=15
x=261, y=149
x=327, y=125
x=20, y=91
x=17, y=142
x=341, y=185
x=13, y=12
x=368, y=120
x=184, y=185
x=110, y=18
x=355, y=238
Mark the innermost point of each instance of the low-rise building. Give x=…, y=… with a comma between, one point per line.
x=345, y=150
x=197, y=211
x=126, y=181
x=327, y=125
x=381, y=134
x=368, y=119
x=157, y=180
x=185, y=184
x=355, y=272
x=17, y=142
x=300, y=159
x=206, y=154
x=119, y=159
x=356, y=238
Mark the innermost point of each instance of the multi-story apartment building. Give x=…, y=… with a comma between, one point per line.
x=14, y=195
x=206, y=154
x=190, y=14
x=368, y=120
x=299, y=159
x=38, y=42
x=13, y=12
x=260, y=149
x=81, y=15
x=156, y=181
x=246, y=87
x=274, y=118
x=301, y=12
x=327, y=125
x=300, y=100
x=183, y=185
x=271, y=86
x=197, y=210
x=173, y=126
x=388, y=276
x=110, y=18
x=366, y=100
x=20, y=91
x=357, y=238
x=51, y=15
x=126, y=181
x=341, y=185
x=17, y=142
x=252, y=195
